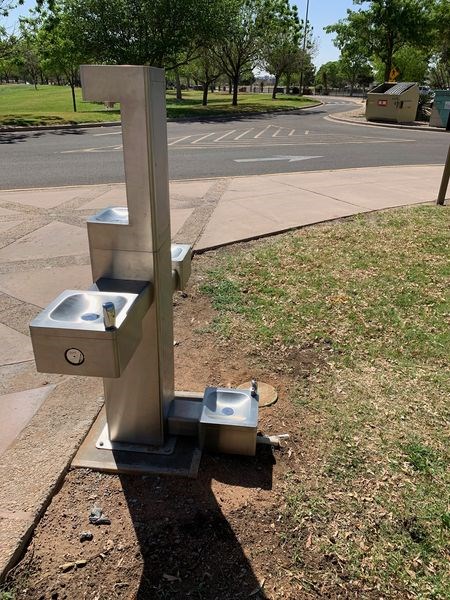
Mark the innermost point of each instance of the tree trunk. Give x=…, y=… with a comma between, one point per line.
x=178, y=85
x=230, y=85
x=388, y=63
x=288, y=84
x=274, y=91
x=74, y=100
x=205, y=93
x=235, y=90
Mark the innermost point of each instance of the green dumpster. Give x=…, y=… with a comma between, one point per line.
x=440, y=115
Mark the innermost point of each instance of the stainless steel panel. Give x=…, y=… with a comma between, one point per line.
x=65, y=341
x=229, y=420
x=181, y=255
x=141, y=93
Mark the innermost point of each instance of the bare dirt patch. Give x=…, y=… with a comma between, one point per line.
x=214, y=537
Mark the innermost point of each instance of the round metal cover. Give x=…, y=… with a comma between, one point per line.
x=267, y=393
x=74, y=356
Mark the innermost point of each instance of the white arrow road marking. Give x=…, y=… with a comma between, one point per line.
x=102, y=149
x=288, y=158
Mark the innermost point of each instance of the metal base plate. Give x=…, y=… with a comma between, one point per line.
x=184, y=461
x=104, y=443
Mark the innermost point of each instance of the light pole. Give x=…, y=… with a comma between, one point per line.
x=302, y=67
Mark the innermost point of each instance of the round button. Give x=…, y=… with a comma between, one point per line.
x=74, y=356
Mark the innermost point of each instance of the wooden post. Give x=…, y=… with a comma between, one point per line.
x=444, y=183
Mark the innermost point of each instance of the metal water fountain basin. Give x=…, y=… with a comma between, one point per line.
x=229, y=420
x=92, y=332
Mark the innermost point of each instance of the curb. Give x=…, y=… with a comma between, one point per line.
x=18, y=128
x=337, y=118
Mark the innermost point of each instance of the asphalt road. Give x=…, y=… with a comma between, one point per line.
x=300, y=141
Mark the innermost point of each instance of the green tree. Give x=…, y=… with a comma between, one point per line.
x=161, y=33
x=385, y=27
x=354, y=68
x=330, y=75
x=62, y=52
x=440, y=17
x=9, y=53
x=240, y=47
x=7, y=5
x=205, y=71
x=28, y=55
x=280, y=47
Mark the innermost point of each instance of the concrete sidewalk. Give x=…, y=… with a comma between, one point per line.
x=44, y=250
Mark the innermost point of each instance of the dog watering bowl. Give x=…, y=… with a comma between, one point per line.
x=228, y=421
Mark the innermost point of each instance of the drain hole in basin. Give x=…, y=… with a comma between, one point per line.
x=90, y=317
x=227, y=411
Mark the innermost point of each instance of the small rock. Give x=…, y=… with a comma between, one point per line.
x=86, y=536
x=97, y=517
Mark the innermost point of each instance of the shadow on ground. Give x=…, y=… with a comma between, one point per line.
x=188, y=545
x=14, y=137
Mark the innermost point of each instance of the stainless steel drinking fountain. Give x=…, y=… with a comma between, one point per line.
x=122, y=328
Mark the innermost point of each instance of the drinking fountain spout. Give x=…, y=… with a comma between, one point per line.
x=109, y=316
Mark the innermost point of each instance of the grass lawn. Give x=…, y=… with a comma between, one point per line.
x=48, y=105
x=370, y=512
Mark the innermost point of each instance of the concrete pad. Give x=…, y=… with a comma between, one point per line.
x=113, y=196
x=249, y=187
x=190, y=190
x=15, y=346
x=33, y=467
x=55, y=239
x=14, y=532
x=40, y=286
x=42, y=198
x=178, y=190
x=16, y=410
x=5, y=212
x=377, y=197
x=371, y=188
x=7, y=225
x=178, y=217
x=243, y=219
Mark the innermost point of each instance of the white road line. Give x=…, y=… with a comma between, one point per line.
x=180, y=140
x=245, y=133
x=100, y=149
x=224, y=135
x=288, y=158
x=291, y=132
x=276, y=132
x=204, y=137
x=250, y=145
x=261, y=132
x=108, y=133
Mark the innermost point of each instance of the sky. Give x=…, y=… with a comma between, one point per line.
x=321, y=13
